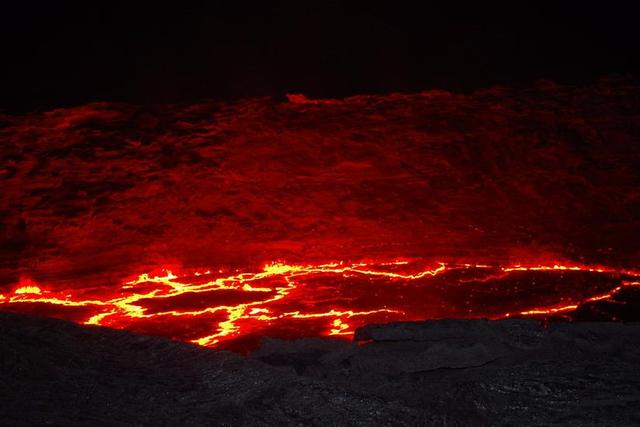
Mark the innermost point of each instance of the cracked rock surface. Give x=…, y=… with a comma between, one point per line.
x=449, y=372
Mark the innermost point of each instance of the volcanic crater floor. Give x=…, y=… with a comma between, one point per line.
x=447, y=372
x=307, y=221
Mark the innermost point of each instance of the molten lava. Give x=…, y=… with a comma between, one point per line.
x=524, y=195
x=290, y=301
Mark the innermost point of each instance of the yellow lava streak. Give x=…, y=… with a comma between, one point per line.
x=32, y=290
x=127, y=302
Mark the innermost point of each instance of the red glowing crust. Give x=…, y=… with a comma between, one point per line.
x=224, y=307
x=501, y=178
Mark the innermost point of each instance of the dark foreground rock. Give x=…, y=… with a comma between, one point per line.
x=450, y=372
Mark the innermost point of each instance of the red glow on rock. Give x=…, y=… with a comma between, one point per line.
x=290, y=300
x=497, y=203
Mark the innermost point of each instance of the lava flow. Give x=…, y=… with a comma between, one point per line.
x=501, y=202
x=212, y=308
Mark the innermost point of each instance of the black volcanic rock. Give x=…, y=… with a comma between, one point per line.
x=57, y=373
x=452, y=372
x=514, y=331
x=481, y=372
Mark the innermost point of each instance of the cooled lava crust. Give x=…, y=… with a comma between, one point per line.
x=220, y=223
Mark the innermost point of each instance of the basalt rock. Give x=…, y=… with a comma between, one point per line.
x=451, y=372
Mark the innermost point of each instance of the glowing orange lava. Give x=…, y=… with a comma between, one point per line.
x=317, y=299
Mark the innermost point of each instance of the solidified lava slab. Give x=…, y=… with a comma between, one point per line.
x=528, y=199
x=467, y=372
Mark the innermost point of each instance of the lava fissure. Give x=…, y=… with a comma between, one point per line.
x=330, y=298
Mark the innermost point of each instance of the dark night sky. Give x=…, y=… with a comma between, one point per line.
x=64, y=53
